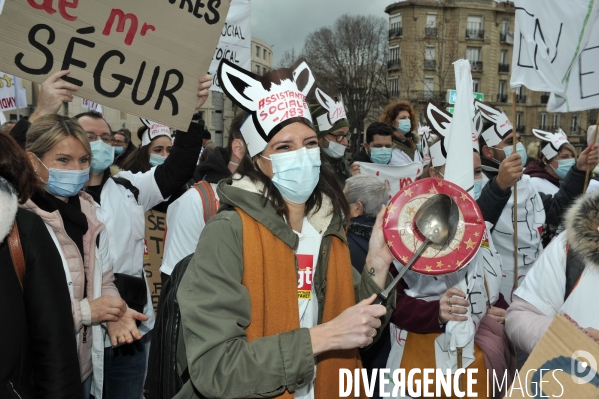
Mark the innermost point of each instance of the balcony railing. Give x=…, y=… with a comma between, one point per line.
x=504, y=68
x=430, y=32
x=394, y=94
x=503, y=37
x=395, y=32
x=476, y=66
x=544, y=98
x=555, y=128
x=502, y=98
x=521, y=129
x=475, y=34
x=545, y=128
x=430, y=64
x=393, y=64
x=521, y=98
x=426, y=95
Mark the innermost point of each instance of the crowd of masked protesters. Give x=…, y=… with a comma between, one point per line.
x=274, y=252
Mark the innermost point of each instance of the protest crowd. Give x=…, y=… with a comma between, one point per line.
x=280, y=245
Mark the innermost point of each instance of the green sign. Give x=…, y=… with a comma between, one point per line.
x=452, y=95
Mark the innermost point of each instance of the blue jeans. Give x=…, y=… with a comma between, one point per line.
x=87, y=387
x=125, y=370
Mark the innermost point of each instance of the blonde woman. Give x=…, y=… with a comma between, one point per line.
x=60, y=154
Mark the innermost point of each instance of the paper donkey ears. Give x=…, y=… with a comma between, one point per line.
x=154, y=130
x=501, y=124
x=335, y=110
x=553, y=141
x=274, y=100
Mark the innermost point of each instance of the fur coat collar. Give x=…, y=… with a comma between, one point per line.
x=8, y=208
x=582, y=224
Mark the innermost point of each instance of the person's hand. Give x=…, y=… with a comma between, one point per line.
x=451, y=305
x=593, y=333
x=510, y=171
x=354, y=169
x=124, y=331
x=497, y=314
x=589, y=158
x=205, y=83
x=53, y=93
x=379, y=257
x=354, y=328
x=107, y=308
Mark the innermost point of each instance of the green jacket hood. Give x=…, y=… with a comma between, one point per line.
x=242, y=192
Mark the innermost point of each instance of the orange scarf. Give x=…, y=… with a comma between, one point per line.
x=270, y=276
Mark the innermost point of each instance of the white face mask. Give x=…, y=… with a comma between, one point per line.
x=335, y=150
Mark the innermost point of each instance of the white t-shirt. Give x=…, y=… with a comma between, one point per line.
x=307, y=257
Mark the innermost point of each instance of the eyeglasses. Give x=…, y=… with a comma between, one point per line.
x=339, y=137
x=107, y=138
x=119, y=143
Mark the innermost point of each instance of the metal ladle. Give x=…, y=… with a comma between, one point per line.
x=437, y=220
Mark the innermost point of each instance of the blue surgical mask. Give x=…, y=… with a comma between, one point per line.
x=296, y=173
x=404, y=126
x=156, y=160
x=519, y=150
x=102, y=156
x=65, y=182
x=335, y=150
x=478, y=188
x=564, y=166
x=381, y=155
x=119, y=150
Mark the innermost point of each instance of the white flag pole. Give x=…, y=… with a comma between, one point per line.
x=515, y=214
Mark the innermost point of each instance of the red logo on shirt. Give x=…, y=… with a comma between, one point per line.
x=304, y=276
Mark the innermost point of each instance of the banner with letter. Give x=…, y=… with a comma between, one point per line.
x=397, y=177
x=549, y=42
x=235, y=42
x=12, y=93
x=154, y=251
x=91, y=105
x=144, y=57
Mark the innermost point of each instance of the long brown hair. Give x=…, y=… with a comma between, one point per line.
x=392, y=110
x=138, y=160
x=16, y=168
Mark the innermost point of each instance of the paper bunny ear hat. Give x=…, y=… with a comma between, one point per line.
x=440, y=122
x=501, y=125
x=153, y=130
x=334, y=111
x=553, y=141
x=274, y=100
x=477, y=128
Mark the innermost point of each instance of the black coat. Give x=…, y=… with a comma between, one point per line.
x=39, y=349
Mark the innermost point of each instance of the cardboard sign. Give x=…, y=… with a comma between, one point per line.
x=12, y=93
x=235, y=42
x=396, y=177
x=144, y=57
x=155, y=232
x=564, y=346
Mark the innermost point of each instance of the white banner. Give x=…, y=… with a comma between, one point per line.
x=12, y=93
x=235, y=42
x=549, y=38
x=91, y=105
x=397, y=177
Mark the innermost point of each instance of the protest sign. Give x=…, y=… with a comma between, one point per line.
x=235, y=42
x=12, y=93
x=396, y=177
x=155, y=232
x=144, y=57
x=91, y=106
x=563, y=364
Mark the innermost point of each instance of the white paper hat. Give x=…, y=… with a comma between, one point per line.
x=334, y=107
x=153, y=130
x=501, y=124
x=477, y=128
x=553, y=141
x=440, y=122
x=274, y=100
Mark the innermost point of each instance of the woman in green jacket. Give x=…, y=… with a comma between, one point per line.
x=269, y=297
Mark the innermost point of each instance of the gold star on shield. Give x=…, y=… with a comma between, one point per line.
x=431, y=190
x=405, y=259
x=464, y=197
x=469, y=244
x=389, y=244
x=439, y=264
x=428, y=268
x=391, y=208
x=478, y=220
x=458, y=263
x=476, y=234
x=408, y=192
x=387, y=220
x=411, y=211
x=440, y=183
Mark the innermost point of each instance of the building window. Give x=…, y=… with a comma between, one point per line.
x=394, y=60
x=429, y=86
x=431, y=25
x=395, y=26
x=555, y=122
x=505, y=28
x=473, y=55
x=429, y=58
x=504, y=65
x=476, y=85
x=503, y=57
x=519, y=127
x=394, y=87
x=258, y=51
x=258, y=70
x=521, y=95
x=474, y=29
x=264, y=54
x=574, y=127
x=502, y=92
x=544, y=120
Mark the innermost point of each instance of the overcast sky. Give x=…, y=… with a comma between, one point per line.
x=286, y=23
